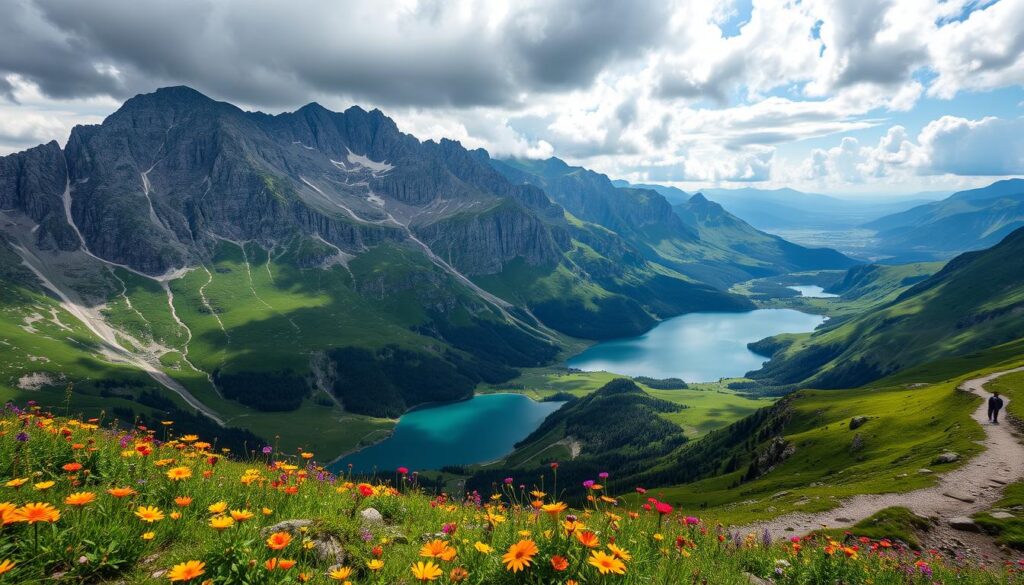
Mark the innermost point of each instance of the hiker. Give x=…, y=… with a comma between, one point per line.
x=995, y=403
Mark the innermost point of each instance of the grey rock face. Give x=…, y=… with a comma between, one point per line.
x=33, y=182
x=857, y=422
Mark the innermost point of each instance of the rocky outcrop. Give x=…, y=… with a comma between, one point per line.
x=484, y=243
x=33, y=182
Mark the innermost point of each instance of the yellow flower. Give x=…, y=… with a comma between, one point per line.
x=16, y=483
x=221, y=522
x=149, y=514
x=554, y=509
x=606, y=563
x=484, y=548
x=186, y=571
x=620, y=553
x=6, y=565
x=375, y=564
x=520, y=555
x=241, y=515
x=179, y=473
x=341, y=573
x=44, y=485
x=267, y=511
x=218, y=508
x=427, y=571
x=148, y=535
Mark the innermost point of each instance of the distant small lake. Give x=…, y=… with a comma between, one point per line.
x=697, y=347
x=478, y=430
x=811, y=291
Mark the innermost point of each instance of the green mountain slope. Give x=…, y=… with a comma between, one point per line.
x=969, y=305
x=697, y=238
x=312, y=271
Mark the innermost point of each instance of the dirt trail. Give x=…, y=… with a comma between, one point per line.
x=964, y=491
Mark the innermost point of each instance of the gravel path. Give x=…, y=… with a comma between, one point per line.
x=969, y=489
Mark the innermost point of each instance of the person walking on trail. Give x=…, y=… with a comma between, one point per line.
x=995, y=404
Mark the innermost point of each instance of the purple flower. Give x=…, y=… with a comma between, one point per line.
x=448, y=528
x=588, y=484
x=366, y=535
x=603, y=475
x=766, y=538
x=268, y=450
x=22, y=437
x=508, y=481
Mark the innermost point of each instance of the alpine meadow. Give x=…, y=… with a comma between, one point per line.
x=564, y=292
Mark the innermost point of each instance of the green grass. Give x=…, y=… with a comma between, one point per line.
x=907, y=428
x=1008, y=531
x=894, y=524
x=709, y=405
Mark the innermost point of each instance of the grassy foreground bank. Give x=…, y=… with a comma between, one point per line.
x=84, y=502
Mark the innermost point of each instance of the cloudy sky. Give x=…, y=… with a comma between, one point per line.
x=842, y=96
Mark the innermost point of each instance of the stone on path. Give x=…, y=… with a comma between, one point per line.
x=960, y=496
x=1002, y=515
x=963, y=523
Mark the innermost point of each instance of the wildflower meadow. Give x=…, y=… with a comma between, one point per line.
x=84, y=501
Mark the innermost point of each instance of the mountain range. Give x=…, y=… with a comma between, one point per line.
x=239, y=263
x=966, y=220
x=973, y=303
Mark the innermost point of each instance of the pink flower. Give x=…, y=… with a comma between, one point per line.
x=663, y=508
x=403, y=470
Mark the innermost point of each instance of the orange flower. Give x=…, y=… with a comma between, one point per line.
x=121, y=492
x=80, y=499
x=183, y=501
x=279, y=540
x=38, y=512
x=559, y=563
x=520, y=555
x=186, y=571
x=588, y=539
x=439, y=549
x=71, y=467
x=8, y=513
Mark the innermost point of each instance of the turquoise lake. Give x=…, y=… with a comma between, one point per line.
x=481, y=429
x=812, y=291
x=697, y=347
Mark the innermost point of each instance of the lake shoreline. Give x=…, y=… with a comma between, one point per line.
x=427, y=406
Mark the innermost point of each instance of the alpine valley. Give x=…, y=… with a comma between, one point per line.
x=313, y=275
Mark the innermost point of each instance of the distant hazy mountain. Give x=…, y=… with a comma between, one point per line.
x=967, y=220
x=696, y=237
x=789, y=209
